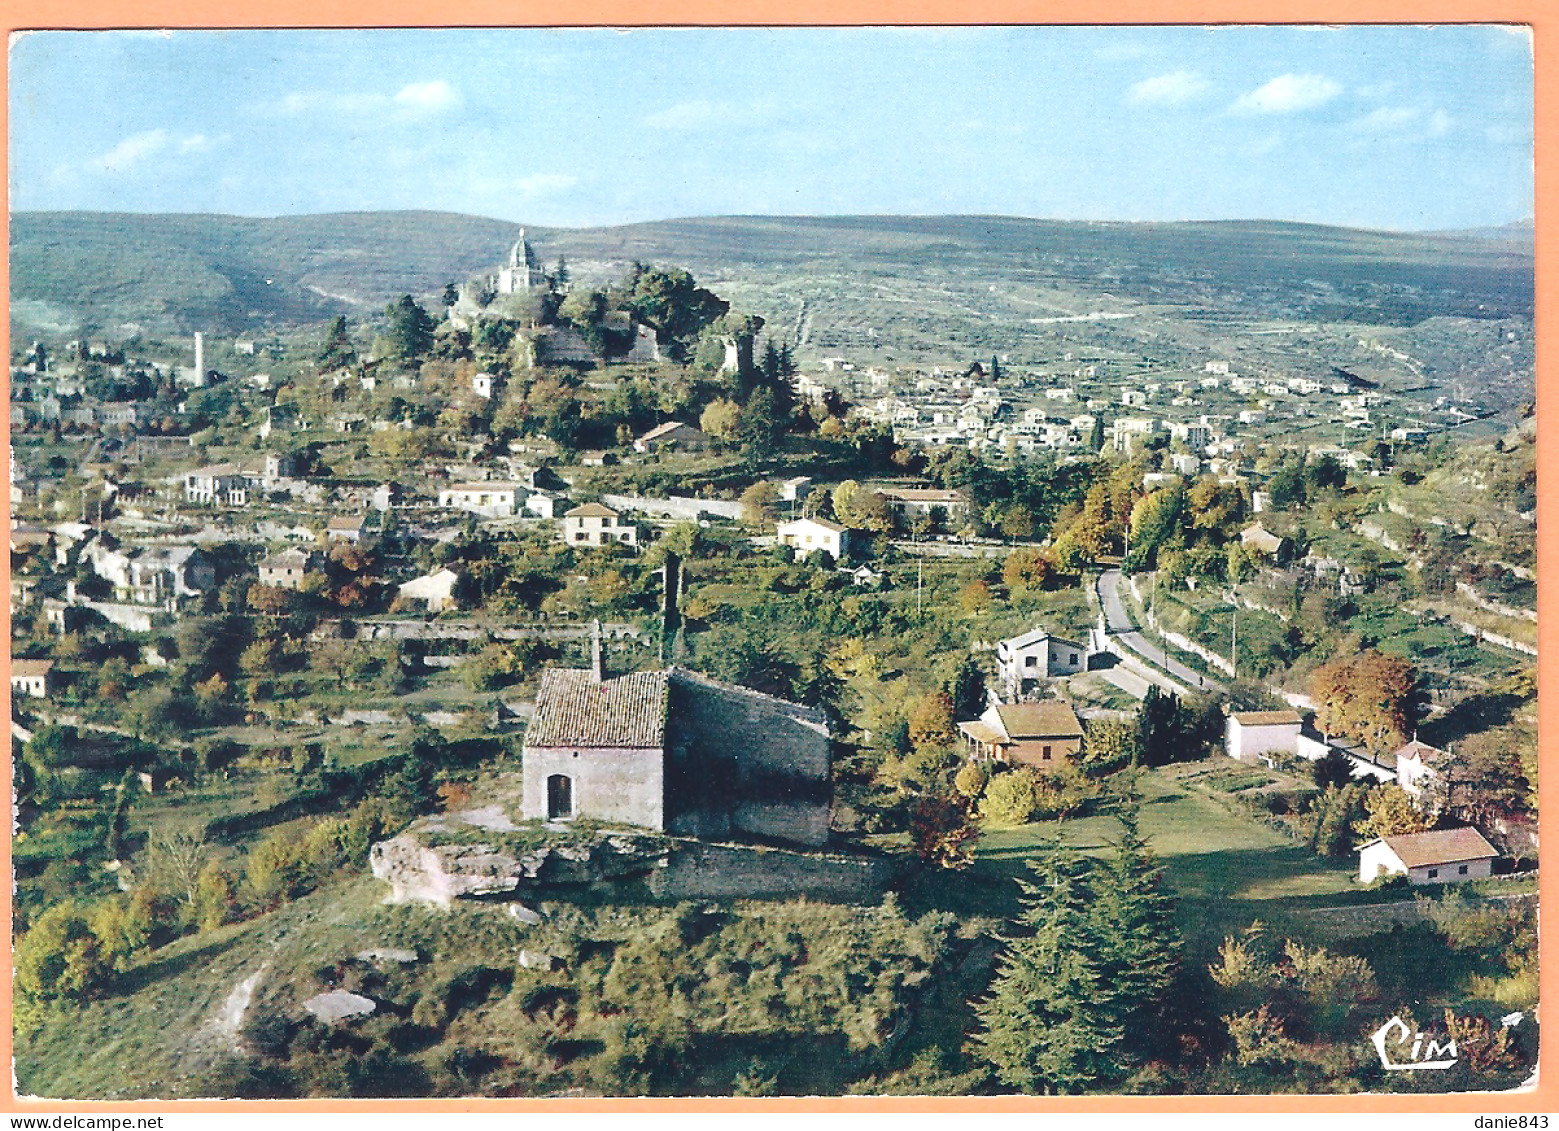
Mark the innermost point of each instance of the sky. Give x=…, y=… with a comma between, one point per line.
x=1403, y=128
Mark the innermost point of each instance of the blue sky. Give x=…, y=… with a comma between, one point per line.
x=1382, y=127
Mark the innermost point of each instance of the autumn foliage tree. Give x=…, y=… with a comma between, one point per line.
x=1392, y=812
x=1370, y=698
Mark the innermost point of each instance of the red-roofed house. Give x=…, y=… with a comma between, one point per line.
x=673, y=436
x=1041, y=735
x=1441, y=856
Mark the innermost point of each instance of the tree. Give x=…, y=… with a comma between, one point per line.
x=1109, y=744
x=59, y=956
x=931, y=720
x=408, y=330
x=974, y=596
x=1391, y=812
x=721, y=419
x=1372, y=698
x=1028, y=569
x=336, y=351
x=1166, y=731
x=1051, y=1022
x=971, y=779
x=940, y=830
x=1154, y=521
x=967, y=689
x=1011, y=798
x=759, y=502
x=1336, y=812
x=1332, y=770
x=760, y=424
x=1483, y=782
x=176, y=858
x=861, y=509
x=1140, y=951
x=673, y=304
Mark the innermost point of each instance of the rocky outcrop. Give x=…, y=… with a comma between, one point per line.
x=422, y=871
x=336, y=1006
x=418, y=873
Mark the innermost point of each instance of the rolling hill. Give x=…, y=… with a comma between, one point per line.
x=174, y=273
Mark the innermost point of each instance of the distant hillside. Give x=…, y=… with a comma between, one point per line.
x=186, y=272
x=183, y=272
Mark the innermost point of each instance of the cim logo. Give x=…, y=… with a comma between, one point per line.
x=1421, y=1054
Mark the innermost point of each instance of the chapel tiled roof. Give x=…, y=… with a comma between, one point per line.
x=572, y=709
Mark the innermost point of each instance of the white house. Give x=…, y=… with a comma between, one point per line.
x=1417, y=766
x=1263, y=540
x=217, y=483
x=597, y=525
x=1253, y=733
x=33, y=678
x=1442, y=856
x=808, y=534
x=493, y=500
x=345, y=528
x=287, y=569
x=1129, y=428
x=799, y=487
x=434, y=591
x=930, y=501
x=545, y=504
x=1022, y=662
x=482, y=385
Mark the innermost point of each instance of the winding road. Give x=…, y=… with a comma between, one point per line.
x=1124, y=630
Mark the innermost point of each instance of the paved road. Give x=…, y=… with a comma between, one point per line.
x=1120, y=626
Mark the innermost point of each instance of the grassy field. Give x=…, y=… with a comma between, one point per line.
x=1226, y=870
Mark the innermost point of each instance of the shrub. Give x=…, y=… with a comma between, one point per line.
x=970, y=781
x=1011, y=798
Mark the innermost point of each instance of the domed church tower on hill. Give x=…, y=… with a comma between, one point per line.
x=524, y=269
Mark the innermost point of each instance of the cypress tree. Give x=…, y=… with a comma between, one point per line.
x=1050, y=1022
x=1076, y=1000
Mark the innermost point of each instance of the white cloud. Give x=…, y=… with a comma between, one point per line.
x=545, y=184
x=1288, y=94
x=1173, y=89
x=429, y=97
x=412, y=100
x=1403, y=122
x=131, y=151
x=141, y=147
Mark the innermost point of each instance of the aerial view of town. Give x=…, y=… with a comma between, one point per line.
x=1026, y=587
